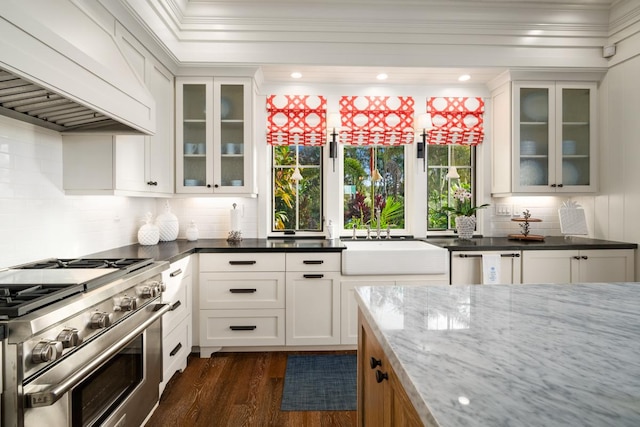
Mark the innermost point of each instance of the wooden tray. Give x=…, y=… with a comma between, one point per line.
x=534, y=237
x=526, y=220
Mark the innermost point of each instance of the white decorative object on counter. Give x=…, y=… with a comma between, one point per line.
x=572, y=219
x=148, y=234
x=192, y=232
x=167, y=222
x=331, y=229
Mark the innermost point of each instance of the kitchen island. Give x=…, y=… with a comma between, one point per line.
x=517, y=355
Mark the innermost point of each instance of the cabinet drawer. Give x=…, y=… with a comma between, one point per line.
x=241, y=327
x=179, y=296
x=176, y=347
x=242, y=262
x=313, y=261
x=246, y=290
x=177, y=271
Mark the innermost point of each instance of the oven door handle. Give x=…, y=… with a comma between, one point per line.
x=49, y=396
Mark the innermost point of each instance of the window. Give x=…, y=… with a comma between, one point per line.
x=368, y=187
x=297, y=205
x=439, y=188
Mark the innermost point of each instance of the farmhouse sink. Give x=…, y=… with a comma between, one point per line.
x=375, y=257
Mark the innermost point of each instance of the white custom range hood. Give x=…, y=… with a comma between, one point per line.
x=57, y=71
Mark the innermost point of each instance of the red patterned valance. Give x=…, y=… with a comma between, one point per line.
x=456, y=121
x=376, y=120
x=296, y=119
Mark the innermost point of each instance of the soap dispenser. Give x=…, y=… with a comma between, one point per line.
x=331, y=229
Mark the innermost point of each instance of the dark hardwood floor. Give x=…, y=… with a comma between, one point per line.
x=237, y=390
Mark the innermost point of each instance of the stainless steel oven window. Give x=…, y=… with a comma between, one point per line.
x=100, y=394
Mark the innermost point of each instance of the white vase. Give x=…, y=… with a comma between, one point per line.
x=167, y=222
x=192, y=232
x=148, y=234
x=465, y=225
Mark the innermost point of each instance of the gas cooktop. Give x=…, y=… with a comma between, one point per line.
x=29, y=287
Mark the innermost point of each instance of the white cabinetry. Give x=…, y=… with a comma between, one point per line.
x=176, y=324
x=573, y=266
x=132, y=165
x=313, y=298
x=549, y=145
x=241, y=300
x=214, y=135
x=349, y=306
x=466, y=267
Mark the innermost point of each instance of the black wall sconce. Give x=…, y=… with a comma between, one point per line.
x=333, y=122
x=423, y=124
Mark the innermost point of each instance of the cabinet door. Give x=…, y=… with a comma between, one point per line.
x=232, y=135
x=194, y=135
x=313, y=308
x=466, y=267
x=130, y=163
x=534, y=134
x=550, y=266
x=606, y=265
x=159, y=157
x=373, y=402
x=575, y=133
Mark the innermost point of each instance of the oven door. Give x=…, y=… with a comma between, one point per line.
x=112, y=380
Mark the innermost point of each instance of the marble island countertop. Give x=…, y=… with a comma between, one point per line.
x=513, y=355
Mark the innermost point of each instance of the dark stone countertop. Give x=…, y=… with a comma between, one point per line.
x=549, y=243
x=177, y=249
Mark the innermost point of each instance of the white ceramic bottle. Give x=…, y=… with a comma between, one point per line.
x=167, y=222
x=149, y=233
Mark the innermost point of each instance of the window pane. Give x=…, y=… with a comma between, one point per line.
x=439, y=188
x=297, y=206
x=363, y=194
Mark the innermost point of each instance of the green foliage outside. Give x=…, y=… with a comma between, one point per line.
x=363, y=195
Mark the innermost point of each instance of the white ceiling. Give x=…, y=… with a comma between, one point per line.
x=351, y=41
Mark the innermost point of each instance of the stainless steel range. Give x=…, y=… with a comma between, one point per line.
x=83, y=343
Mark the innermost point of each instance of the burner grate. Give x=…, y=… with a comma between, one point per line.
x=121, y=263
x=18, y=300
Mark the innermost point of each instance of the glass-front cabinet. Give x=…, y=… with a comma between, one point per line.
x=213, y=135
x=554, y=137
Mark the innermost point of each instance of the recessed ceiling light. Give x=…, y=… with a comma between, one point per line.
x=296, y=75
x=382, y=76
x=464, y=77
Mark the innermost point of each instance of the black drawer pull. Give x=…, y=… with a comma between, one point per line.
x=313, y=261
x=176, y=273
x=242, y=262
x=242, y=291
x=175, y=305
x=313, y=276
x=175, y=350
x=243, y=328
x=373, y=362
x=381, y=376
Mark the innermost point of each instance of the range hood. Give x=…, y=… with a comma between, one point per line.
x=61, y=70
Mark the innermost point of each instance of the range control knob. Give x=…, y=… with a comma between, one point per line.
x=69, y=337
x=147, y=291
x=99, y=320
x=46, y=351
x=127, y=304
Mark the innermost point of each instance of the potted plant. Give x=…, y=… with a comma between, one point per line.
x=464, y=212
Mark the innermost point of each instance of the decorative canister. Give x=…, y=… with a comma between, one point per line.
x=167, y=222
x=465, y=225
x=192, y=232
x=149, y=233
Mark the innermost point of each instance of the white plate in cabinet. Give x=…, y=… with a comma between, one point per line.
x=220, y=328
x=176, y=347
x=242, y=262
x=246, y=290
x=313, y=261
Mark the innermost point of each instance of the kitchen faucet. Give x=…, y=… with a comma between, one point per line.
x=377, y=223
